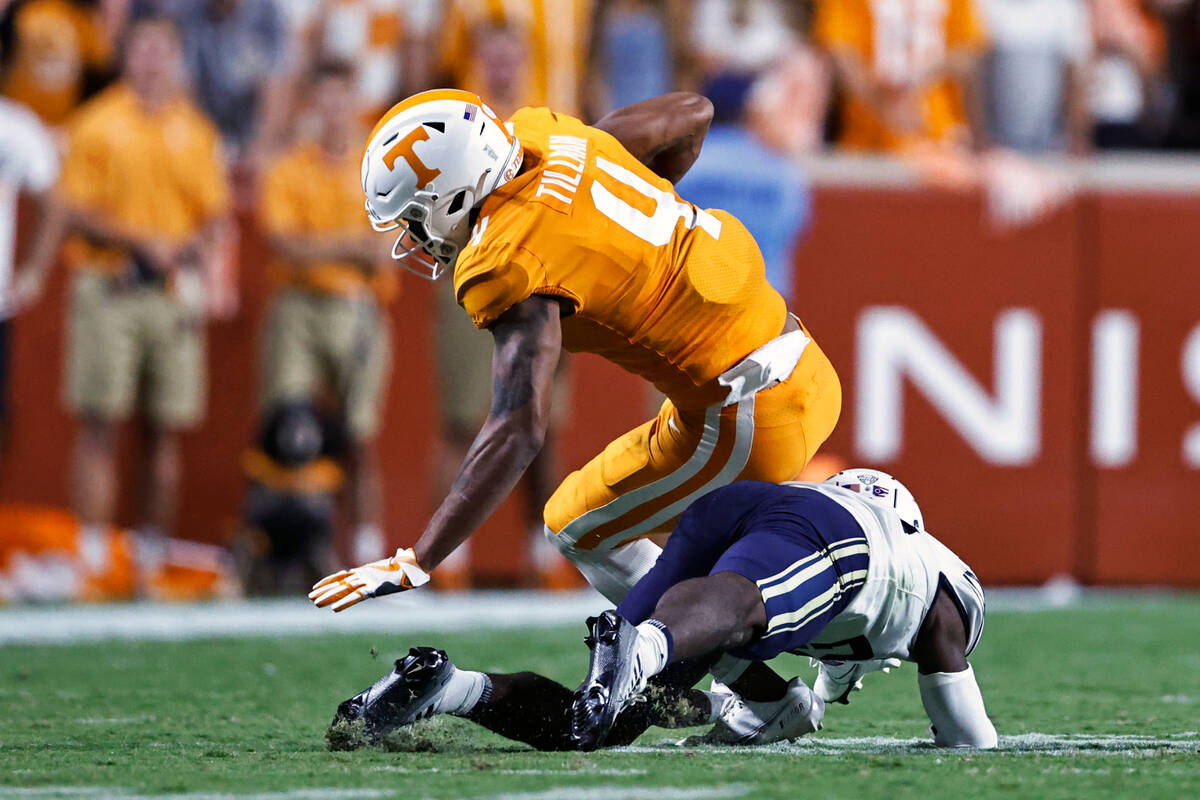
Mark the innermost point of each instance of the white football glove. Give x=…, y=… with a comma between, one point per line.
x=387, y=576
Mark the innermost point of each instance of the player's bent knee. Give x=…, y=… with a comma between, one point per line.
x=749, y=603
x=612, y=572
x=746, y=614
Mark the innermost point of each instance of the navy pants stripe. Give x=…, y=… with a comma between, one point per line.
x=807, y=554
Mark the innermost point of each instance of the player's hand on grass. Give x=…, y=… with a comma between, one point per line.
x=386, y=576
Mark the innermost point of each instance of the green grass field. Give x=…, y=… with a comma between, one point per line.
x=1092, y=702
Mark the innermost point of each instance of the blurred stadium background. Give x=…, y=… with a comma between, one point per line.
x=984, y=209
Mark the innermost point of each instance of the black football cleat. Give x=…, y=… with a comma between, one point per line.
x=613, y=680
x=403, y=696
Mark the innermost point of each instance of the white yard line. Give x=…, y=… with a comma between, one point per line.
x=409, y=612
x=626, y=793
x=404, y=613
x=598, y=792
x=1044, y=743
x=120, y=793
x=391, y=768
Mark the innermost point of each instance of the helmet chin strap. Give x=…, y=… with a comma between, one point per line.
x=516, y=155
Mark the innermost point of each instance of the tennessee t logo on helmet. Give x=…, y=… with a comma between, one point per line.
x=404, y=149
x=464, y=156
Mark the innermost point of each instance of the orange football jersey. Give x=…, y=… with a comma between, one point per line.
x=659, y=287
x=900, y=42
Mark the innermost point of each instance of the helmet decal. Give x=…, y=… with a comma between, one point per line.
x=883, y=489
x=448, y=175
x=404, y=149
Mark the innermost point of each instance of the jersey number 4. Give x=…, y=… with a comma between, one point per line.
x=656, y=228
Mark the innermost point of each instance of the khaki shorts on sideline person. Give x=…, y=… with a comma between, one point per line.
x=133, y=347
x=343, y=343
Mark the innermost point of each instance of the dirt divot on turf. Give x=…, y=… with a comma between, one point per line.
x=436, y=735
x=671, y=710
x=345, y=734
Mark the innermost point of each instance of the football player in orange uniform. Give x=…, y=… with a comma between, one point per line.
x=564, y=235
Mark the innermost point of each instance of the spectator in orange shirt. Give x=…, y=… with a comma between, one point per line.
x=58, y=45
x=328, y=326
x=907, y=70
x=389, y=44
x=555, y=34
x=146, y=191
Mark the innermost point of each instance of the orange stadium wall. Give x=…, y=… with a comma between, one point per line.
x=1038, y=390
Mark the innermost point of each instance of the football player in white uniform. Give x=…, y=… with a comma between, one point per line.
x=862, y=586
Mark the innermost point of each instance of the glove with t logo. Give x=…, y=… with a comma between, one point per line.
x=387, y=576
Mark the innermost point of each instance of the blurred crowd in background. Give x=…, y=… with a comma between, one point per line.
x=145, y=132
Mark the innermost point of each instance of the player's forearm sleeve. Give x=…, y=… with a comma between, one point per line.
x=955, y=707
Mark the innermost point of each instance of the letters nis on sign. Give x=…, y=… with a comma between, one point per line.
x=1004, y=425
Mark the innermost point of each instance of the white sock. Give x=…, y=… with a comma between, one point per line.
x=652, y=650
x=955, y=707
x=465, y=690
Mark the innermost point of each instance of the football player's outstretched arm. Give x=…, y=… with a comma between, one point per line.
x=664, y=133
x=528, y=340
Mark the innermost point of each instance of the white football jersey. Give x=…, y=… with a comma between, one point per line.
x=904, y=573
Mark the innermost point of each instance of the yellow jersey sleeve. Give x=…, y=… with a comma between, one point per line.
x=513, y=241
x=496, y=278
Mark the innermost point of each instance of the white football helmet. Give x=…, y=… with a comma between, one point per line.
x=882, y=488
x=429, y=161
